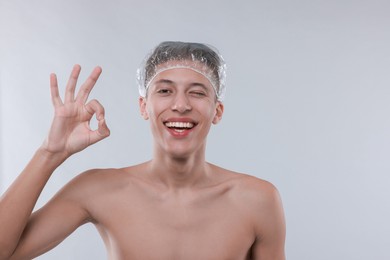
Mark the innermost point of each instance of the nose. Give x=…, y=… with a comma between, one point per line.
x=181, y=103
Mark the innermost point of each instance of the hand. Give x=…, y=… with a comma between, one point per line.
x=70, y=131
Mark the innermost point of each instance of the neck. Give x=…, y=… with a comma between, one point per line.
x=179, y=172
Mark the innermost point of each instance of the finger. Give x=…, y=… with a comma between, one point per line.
x=55, y=96
x=86, y=88
x=102, y=132
x=72, y=82
x=94, y=107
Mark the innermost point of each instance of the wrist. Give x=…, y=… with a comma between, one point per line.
x=51, y=158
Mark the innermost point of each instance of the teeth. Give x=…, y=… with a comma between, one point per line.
x=179, y=124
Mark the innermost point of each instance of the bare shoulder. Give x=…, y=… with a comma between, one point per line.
x=94, y=184
x=260, y=195
x=100, y=180
x=260, y=199
x=248, y=187
x=92, y=179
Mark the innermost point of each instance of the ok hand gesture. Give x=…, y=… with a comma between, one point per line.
x=70, y=131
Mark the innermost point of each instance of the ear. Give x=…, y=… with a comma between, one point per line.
x=218, y=113
x=142, y=108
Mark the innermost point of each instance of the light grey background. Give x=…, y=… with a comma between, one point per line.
x=307, y=105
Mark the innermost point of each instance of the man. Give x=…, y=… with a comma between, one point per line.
x=175, y=206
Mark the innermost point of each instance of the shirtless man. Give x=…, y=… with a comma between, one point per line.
x=175, y=206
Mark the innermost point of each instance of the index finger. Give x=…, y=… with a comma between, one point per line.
x=86, y=88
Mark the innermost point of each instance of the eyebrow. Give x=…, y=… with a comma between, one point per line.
x=167, y=81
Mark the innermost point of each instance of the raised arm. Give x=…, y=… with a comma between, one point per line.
x=69, y=133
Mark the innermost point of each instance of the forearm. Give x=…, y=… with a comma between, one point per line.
x=69, y=133
x=17, y=203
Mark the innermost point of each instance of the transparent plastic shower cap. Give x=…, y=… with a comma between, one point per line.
x=199, y=57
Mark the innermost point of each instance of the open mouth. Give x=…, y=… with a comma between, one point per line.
x=180, y=126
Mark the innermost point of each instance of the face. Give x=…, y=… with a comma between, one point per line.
x=181, y=106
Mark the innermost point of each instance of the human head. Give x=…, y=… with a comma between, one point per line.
x=199, y=57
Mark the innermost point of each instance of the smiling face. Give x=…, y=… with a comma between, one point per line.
x=181, y=106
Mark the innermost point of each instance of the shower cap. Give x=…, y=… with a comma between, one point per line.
x=199, y=57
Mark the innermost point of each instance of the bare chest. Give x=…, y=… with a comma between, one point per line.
x=204, y=229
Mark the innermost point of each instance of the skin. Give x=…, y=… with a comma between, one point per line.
x=175, y=206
